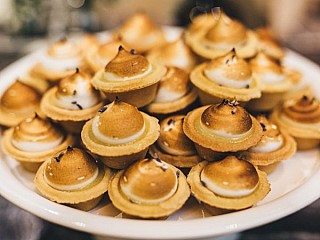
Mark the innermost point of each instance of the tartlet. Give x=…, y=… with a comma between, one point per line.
x=275, y=82
x=176, y=54
x=131, y=77
x=175, y=92
x=149, y=188
x=221, y=128
x=301, y=119
x=18, y=102
x=173, y=146
x=226, y=77
x=231, y=183
x=74, y=178
x=120, y=134
x=139, y=32
x=224, y=35
x=33, y=141
x=59, y=61
x=275, y=145
x=72, y=102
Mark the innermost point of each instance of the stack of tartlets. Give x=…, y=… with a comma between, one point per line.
x=122, y=118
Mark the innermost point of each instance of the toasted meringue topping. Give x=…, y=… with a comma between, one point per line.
x=118, y=123
x=127, y=66
x=229, y=70
x=230, y=177
x=20, y=98
x=76, y=92
x=268, y=70
x=226, y=32
x=172, y=138
x=149, y=181
x=303, y=110
x=36, y=135
x=86, y=42
x=272, y=139
x=107, y=52
x=61, y=56
x=200, y=22
x=173, y=85
x=227, y=119
x=71, y=169
x=269, y=44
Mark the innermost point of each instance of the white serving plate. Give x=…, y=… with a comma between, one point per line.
x=294, y=185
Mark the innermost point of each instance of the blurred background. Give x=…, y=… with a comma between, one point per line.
x=27, y=25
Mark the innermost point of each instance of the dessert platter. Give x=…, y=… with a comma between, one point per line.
x=159, y=132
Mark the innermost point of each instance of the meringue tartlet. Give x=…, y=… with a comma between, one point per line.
x=120, y=134
x=275, y=82
x=72, y=102
x=18, y=102
x=74, y=178
x=139, y=32
x=223, y=36
x=221, y=128
x=149, y=188
x=275, y=145
x=230, y=183
x=175, y=92
x=34, y=140
x=176, y=54
x=59, y=61
x=173, y=146
x=225, y=78
x=131, y=77
x=301, y=119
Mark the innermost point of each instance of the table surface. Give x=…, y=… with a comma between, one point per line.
x=16, y=224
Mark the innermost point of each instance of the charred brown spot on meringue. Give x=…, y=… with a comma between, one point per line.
x=227, y=116
x=232, y=173
x=19, y=97
x=232, y=66
x=304, y=110
x=36, y=129
x=262, y=63
x=227, y=30
x=70, y=167
x=175, y=80
x=146, y=180
x=120, y=120
x=126, y=64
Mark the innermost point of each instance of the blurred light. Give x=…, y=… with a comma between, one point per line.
x=76, y=3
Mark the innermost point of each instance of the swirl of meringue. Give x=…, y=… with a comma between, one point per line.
x=149, y=181
x=271, y=140
x=76, y=92
x=173, y=85
x=127, y=66
x=61, y=56
x=118, y=123
x=227, y=120
x=230, y=177
x=229, y=70
x=36, y=135
x=172, y=138
x=268, y=70
x=60, y=170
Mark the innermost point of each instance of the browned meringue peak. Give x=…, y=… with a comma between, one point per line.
x=37, y=130
x=201, y=22
x=230, y=177
x=119, y=120
x=229, y=70
x=109, y=50
x=303, y=110
x=127, y=64
x=227, y=117
x=86, y=42
x=70, y=168
x=20, y=98
x=227, y=30
x=270, y=130
x=175, y=53
x=141, y=33
x=149, y=181
x=269, y=44
x=172, y=138
x=63, y=49
x=264, y=64
x=173, y=85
